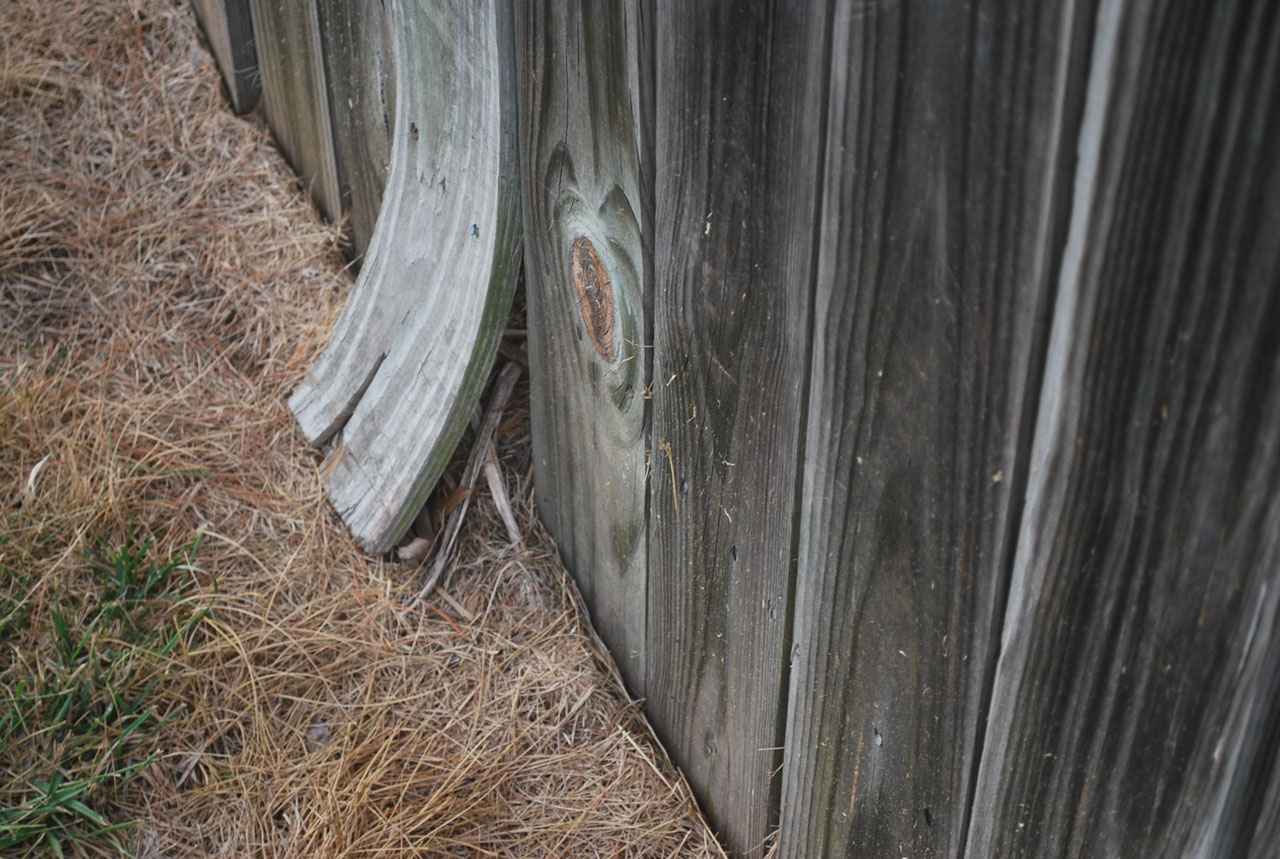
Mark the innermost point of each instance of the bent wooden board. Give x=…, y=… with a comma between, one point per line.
x=410, y=354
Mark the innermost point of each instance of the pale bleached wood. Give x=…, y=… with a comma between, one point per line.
x=412, y=349
x=295, y=99
x=582, y=153
x=228, y=26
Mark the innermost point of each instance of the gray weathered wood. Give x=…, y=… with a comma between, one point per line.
x=412, y=349
x=295, y=100
x=228, y=26
x=357, y=54
x=585, y=65
x=1136, y=702
x=939, y=230
x=736, y=179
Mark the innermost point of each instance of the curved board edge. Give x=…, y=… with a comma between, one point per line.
x=415, y=344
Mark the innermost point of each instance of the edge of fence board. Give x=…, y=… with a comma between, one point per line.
x=295, y=99
x=588, y=361
x=411, y=352
x=228, y=27
x=357, y=52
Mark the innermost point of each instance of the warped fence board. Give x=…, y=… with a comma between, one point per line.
x=411, y=352
x=940, y=210
x=357, y=38
x=228, y=26
x=423, y=96
x=589, y=297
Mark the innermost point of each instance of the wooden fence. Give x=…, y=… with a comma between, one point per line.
x=905, y=378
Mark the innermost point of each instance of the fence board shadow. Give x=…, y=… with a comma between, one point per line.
x=228, y=26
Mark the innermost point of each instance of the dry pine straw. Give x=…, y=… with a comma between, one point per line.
x=163, y=286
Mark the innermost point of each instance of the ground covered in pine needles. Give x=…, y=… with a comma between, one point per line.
x=195, y=658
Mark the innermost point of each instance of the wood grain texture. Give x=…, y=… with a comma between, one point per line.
x=295, y=100
x=940, y=235
x=584, y=66
x=357, y=53
x=736, y=179
x=1137, y=700
x=228, y=26
x=411, y=352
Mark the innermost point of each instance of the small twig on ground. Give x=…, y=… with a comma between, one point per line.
x=501, y=394
x=498, y=489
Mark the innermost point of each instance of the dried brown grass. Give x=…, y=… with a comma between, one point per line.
x=163, y=286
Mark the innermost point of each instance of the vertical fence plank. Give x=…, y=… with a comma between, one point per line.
x=294, y=98
x=588, y=236
x=228, y=26
x=939, y=238
x=357, y=53
x=1137, y=699
x=411, y=353
x=736, y=158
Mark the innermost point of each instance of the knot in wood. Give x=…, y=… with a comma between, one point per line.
x=595, y=296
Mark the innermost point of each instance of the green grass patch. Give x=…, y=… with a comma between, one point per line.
x=79, y=716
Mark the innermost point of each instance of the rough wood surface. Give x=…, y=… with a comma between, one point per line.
x=228, y=26
x=412, y=349
x=357, y=53
x=1137, y=699
x=736, y=179
x=939, y=238
x=588, y=229
x=295, y=100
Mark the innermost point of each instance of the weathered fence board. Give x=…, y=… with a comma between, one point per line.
x=905, y=377
x=294, y=96
x=939, y=240
x=736, y=184
x=357, y=54
x=1136, y=703
x=410, y=354
x=589, y=296
x=228, y=26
